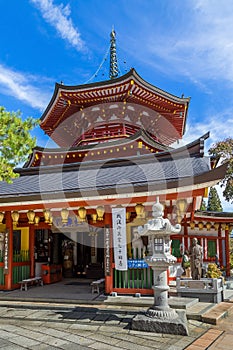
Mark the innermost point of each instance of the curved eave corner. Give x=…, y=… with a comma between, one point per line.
x=52, y=102
x=155, y=89
x=216, y=175
x=185, y=117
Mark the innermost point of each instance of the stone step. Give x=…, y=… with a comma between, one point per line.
x=217, y=313
x=182, y=303
x=174, y=302
x=200, y=311
x=196, y=311
x=209, y=312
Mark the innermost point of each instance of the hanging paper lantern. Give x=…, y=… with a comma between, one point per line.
x=94, y=218
x=1, y=217
x=100, y=212
x=15, y=217
x=31, y=216
x=139, y=208
x=64, y=215
x=50, y=220
x=37, y=220
x=47, y=215
x=181, y=205
x=200, y=225
x=128, y=214
x=82, y=214
x=192, y=225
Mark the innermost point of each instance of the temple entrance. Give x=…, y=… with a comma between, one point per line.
x=77, y=251
x=81, y=253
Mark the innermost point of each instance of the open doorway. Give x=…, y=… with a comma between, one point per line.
x=83, y=253
x=80, y=252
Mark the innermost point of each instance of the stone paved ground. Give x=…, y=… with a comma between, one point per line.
x=68, y=316
x=84, y=327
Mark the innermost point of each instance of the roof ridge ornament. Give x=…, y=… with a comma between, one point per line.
x=114, y=71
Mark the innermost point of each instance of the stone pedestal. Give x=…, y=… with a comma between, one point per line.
x=161, y=318
x=175, y=325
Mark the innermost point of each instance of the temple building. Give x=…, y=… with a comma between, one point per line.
x=74, y=210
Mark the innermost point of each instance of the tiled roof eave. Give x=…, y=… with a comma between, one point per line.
x=207, y=215
x=206, y=179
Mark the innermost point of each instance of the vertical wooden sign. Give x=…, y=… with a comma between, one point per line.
x=107, y=251
x=6, y=253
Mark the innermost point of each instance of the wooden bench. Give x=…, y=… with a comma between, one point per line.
x=95, y=285
x=30, y=281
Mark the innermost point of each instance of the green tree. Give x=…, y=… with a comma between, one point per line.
x=16, y=142
x=203, y=205
x=224, y=150
x=214, y=203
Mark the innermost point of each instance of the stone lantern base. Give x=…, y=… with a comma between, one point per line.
x=166, y=325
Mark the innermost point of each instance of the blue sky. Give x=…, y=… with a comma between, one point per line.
x=183, y=47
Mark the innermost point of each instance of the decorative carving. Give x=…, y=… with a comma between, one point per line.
x=167, y=315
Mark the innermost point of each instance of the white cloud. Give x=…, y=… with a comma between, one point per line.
x=198, y=44
x=18, y=85
x=58, y=17
x=219, y=125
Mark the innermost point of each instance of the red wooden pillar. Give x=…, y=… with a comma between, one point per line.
x=185, y=234
x=109, y=277
x=228, y=267
x=31, y=250
x=193, y=208
x=9, y=272
x=220, y=244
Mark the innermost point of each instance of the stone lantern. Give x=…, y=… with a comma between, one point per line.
x=160, y=318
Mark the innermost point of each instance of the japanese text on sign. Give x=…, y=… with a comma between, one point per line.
x=107, y=252
x=119, y=238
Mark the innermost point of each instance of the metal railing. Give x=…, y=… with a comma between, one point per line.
x=138, y=276
x=20, y=273
x=21, y=267
x=21, y=256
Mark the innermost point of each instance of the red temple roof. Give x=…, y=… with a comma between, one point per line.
x=73, y=110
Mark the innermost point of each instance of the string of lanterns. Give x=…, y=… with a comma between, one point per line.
x=201, y=225
x=99, y=216
x=48, y=218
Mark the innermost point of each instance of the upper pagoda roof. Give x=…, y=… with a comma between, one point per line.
x=71, y=109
